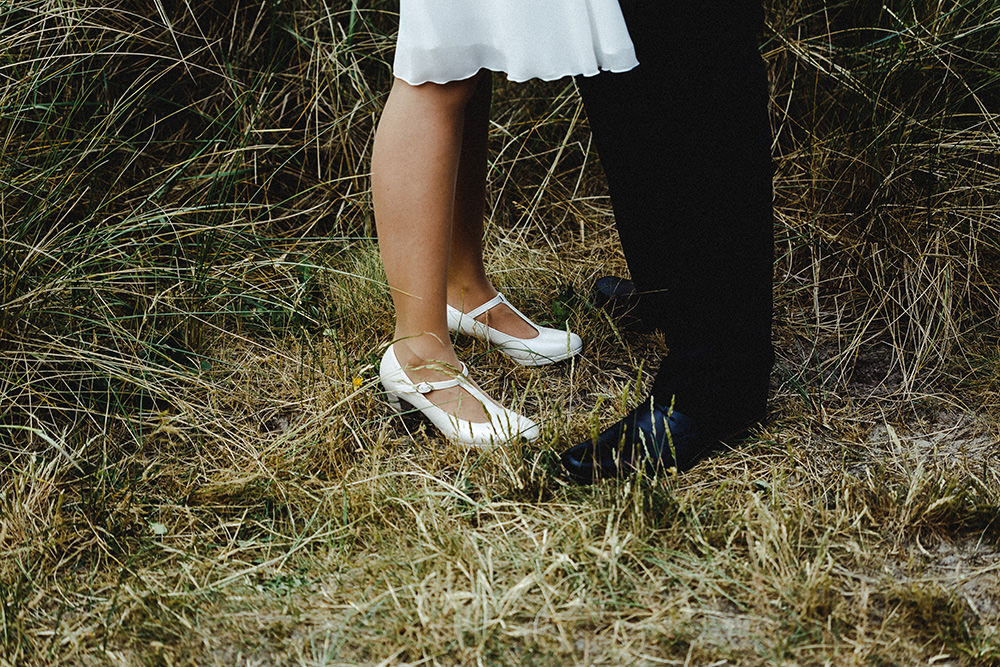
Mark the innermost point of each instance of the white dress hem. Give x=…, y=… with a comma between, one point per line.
x=514, y=78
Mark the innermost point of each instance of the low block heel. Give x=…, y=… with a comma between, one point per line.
x=395, y=404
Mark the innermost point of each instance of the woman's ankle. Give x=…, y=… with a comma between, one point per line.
x=426, y=353
x=467, y=296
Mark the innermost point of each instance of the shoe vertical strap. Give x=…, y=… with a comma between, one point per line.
x=495, y=301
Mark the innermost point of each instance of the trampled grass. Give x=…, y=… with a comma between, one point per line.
x=197, y=467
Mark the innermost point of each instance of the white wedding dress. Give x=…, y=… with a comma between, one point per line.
x=450, y=40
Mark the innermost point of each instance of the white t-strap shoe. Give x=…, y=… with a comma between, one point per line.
x=503, y=426
x=548, y=347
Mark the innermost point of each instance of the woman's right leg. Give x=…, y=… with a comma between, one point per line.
x=418, y=146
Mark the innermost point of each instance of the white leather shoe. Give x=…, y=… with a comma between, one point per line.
x=549, y=346
x=503, y=426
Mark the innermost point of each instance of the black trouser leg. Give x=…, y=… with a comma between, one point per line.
x=685, y=142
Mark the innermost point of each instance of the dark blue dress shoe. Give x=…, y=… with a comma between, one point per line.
x=652, y=437
x=620, y=299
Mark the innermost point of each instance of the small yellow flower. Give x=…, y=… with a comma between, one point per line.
x=358, y=382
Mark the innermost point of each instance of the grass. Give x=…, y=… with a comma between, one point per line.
x=197, y=467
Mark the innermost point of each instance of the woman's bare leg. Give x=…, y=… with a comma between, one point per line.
x=415, y=162
x=467, y=281
x=468, y=286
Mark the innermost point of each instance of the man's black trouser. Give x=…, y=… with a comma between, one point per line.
x=685, y=142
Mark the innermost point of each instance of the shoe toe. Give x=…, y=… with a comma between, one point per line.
x=509, y=426
x=558, y=343
x=578, y=462
x=636, y=441
x=529, y=430
x=575, y=344
x=549, y=346
x=613, y=289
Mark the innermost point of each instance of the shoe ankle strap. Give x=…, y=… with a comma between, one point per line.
x=428, y=387
x=492, y=303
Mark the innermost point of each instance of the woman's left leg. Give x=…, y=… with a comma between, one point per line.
x=468, y=285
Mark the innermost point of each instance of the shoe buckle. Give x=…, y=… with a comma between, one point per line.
x=424, y=387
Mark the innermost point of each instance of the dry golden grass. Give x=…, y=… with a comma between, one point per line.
x=196, y=466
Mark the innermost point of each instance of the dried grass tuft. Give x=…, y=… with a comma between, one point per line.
x=196, y=466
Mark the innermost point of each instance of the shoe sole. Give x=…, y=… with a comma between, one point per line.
x=404, y=410
x=539, y=360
